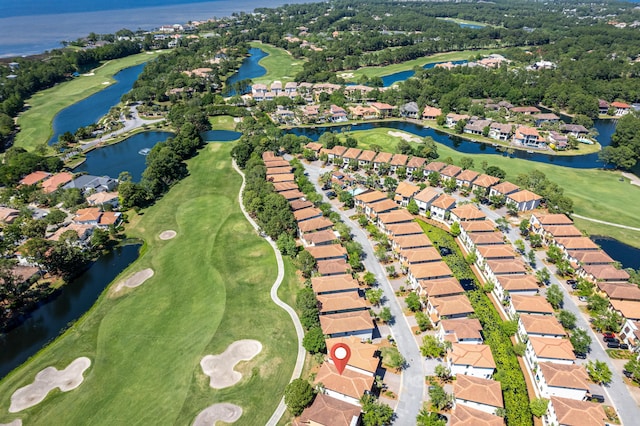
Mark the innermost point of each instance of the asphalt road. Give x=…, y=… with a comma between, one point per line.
x=411, y=393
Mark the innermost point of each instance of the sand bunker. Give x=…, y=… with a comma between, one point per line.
x=89, y=74
x=167, y=235
x=16, y=422
x=225, y=412
x=135, y=280
x=47, y=380
x=407, y=137
x=106, y=83
x=220, y=367
x=346, y=75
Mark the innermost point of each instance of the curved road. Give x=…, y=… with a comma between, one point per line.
x=274, y=296
x=412, y=386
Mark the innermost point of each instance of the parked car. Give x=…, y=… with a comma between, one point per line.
x=583, y=298
x=445, y=251
x=627, y=373
x=331, y=194
x=572, y=282
x=624, y=346
x=580, y=355
x=610, y=339
x=613, y=345
x=608, y=334
x=597, y=398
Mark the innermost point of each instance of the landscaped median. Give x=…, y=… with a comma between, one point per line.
x=210, y=288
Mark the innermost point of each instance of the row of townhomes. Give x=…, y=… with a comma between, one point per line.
x=100, y=199
x=549, y=355
x=344, y=313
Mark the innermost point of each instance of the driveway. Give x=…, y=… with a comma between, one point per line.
x=412, y=387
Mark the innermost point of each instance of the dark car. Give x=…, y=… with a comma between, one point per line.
x=572, y=282
x=445, y=251
x=331, y=194
x=613, y=345
x=597, y=398
x=580, y=355
x=624, y=346
x=627, y=373
x=610, y=339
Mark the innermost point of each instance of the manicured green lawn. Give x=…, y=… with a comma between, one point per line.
x=211, y=287
x=35, y=122
x=280, y=64
x=222, y=122
x=598, y=194
x=464, y=21
x=420, y=62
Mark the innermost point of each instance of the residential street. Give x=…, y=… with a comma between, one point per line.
x=413, y=377
x=616, y=393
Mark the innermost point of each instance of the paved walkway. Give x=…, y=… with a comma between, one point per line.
x=635, y=180
x=617, y=225
x=297, y=371
x=412, y=387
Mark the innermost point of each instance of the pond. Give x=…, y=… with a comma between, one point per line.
x=75, y=298
x=89, y=110
x=462, y=145
x=220, y=136
x=627, y=255
x=250, y=68
x=391, y=79
x=123, y=156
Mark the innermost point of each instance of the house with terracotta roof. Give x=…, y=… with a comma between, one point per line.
x=83, y=231
x=494, y=252
x=319, y=238
x=317, y=224
x=452, y=119
x=590, y=257
x=414, y=164
x=88, y=216
x=405, y=229
x=448, y=307
x=526, y=110
x=539, y=326
x=361, y=112
x=8, y=215
x=539, y=221
x=298, y=204
x=374, y=210
x=348, y=387
x=358, y=323
x=466, y=212
x=424, y=199
x=472, y=360
x=484, y=182
x=500, y=132
x=629, y=309
x=284, y=186
x=393, y=218
x=292, y=195
x=350, y=155
x=450, y=172
x=108, y=219
x=434, y=166
x=524, y=200
x=52, y=183
x=369, y=197
x=569, y=412
x=366, y=157
x=431, y=113
x=460, y=330
x=621, y=108
x=336, y=303
x=440, y=287
x=409, y=242
x=337, y=114
x=524, y=285
x=441, y=207
x=381, y=158
x=563, y=380
x=528, y=137
x=328, y=411
x=279, y=170
x=34, y=178
x=307, y=214
x=600, y=273
x=333, y=267
x=405, y=192
x=384, y=110
x=398, y=160
x=327, y=252
x=479, y=239
x=475, y=227
x=336, y=153
x=364, y=355
x=287, y=177
x=477, y=393
x=462, y=415
x=314, y=146
x=576, y=243
x=334, y=284
x=551, y=232
x=494, y=268
x=535, y=305
x=503, y=189
x=428, y=271
x=270, y=155
x=466, y=178
x=411, y=257
x=101, y=198
x=548, y=349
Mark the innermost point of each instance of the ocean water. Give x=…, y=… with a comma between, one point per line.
x=32, y=26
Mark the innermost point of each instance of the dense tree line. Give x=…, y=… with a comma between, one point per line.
x=18, y=163
x=624, y=150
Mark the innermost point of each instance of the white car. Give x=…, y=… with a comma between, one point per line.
x=583, y=298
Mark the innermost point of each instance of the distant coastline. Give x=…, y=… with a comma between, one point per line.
x=34, y=34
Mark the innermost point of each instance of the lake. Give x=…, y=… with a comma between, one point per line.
x=628, y=256
x=249, y=69
x=75, y=298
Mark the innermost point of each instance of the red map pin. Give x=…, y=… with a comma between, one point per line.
x=340, y=354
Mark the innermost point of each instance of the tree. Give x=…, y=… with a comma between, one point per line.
x=99, y=238
x=431, y=347
x=375, y=413
x=298, y=395
x=555, y=296
x=374, y=295
x=503, y=224
x=287, y=245
x=426, y=418
x=314, y=341
x=412, y=207
x=564, y=268
x=580, y=341
x=390, y=184
x=539, y=406
x=599, y=372
x=554, y=254
x=524, y=227
x=346, y=198
x=434, y=179
x=306, y=262
x=466, y=163
x=519, y=349
x=450, y=186
x=519, y=244
x=385, y=315
x=381, y=253
x=391, y=271
x=567, y=319
x=455, y=229
x=531, y=256
x=633, y=368
x=413, y=302
x=369, y=278
x=512, y=209
x=423, y=321
x=535, y=240
x=442, y=372
x=495, y=171
x=393, y=358
x=439, y=398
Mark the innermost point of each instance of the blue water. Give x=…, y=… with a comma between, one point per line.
x=471, y=26
x=90, y=109
x=250, y=68
x=628, y=256
x=46, y=322
x=120, y=157
x=390, y=79
x=461, y=145
x=221, y=136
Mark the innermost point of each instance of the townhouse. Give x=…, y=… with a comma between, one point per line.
x=348, y=387
x=570, y=412
x=562, y=380
x=523, y=285
x=472, y=360
x=534, y=305
x=441, y=207
x=425, y=198
x=405, y=192
x=477, y=393
x=460, y=330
